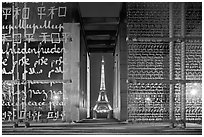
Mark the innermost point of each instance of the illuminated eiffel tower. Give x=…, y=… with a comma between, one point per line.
x=102, y=107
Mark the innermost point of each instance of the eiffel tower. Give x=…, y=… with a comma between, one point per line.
x=102, y=107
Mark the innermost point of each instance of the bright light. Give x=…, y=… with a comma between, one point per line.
x=194, y=92
x=148, y=99
x=9, y=84
x=195, y=84
x=55, y=97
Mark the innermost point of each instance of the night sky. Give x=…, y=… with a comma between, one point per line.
x=95, y=63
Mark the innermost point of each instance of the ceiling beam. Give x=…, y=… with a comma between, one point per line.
x=101, y=50
x=100, y=27
x=96, y=42
x=101, y=46
x=100, y=20
x=101, y=32
x=100, y=37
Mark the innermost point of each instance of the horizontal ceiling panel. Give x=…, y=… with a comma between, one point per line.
x=101, y=50
x=100, y=20
x=100, y=37
x=100, y=9
x=100, y=32
x=100, y=27
x=94, y=42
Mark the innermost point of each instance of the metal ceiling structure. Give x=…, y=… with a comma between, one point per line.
x=100, y=22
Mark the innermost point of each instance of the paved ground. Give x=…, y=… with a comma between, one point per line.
x=101, y=129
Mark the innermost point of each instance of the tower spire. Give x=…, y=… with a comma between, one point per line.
x=102, y=86
x=102, y=103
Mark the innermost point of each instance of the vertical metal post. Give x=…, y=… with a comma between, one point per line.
x=13, y=65
x=17, y=78
x=24, y=73
x=88, y=86
x=171, y=67
x=183, y=75
x=25, y=83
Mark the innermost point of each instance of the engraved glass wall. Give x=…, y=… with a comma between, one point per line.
x=148, y=99
x=148, y=40
x=32, y=54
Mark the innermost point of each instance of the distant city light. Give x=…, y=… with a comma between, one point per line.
x=195, y=84
x=55, y=97
x=193, y=92
x=9, y=84
x=148, y=99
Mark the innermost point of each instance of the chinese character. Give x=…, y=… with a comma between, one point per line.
x=17, y=38
x=6, y=12
x=52, y=10
x=16, y=12
x=9, y=115
x=39, y=115
x=56, y=115
x=25, y=13
x=50, y=115
x=62, y=11
x=67, y=37
x=41, y=12
x=29, y=37
x=5, y=37
x=44, y=36
x=55, y=37
x=22, y=115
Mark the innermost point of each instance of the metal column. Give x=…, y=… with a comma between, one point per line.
x=171, y=67
x=183, y=75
